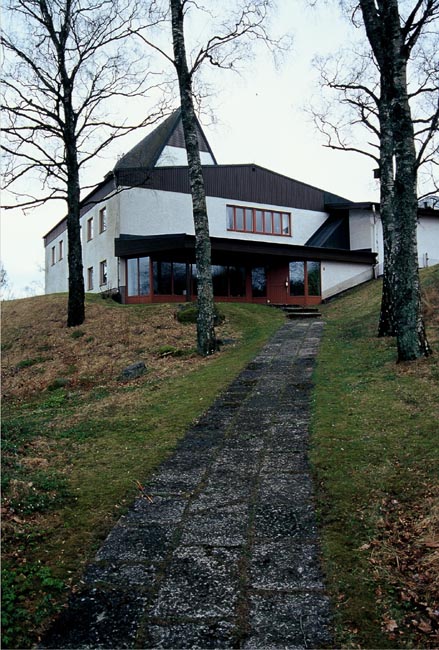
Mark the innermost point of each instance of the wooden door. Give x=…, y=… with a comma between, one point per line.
x=278, y=286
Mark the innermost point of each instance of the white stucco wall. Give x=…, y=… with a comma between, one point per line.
x=101, y=247
x=155, y=212
x=176, y=156
x=339, y=276
x=98, y=249
x=428, y=241
x=56, y=274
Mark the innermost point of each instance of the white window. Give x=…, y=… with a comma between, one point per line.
x=103, y=219
x=90, y=279
x=103, y=272
x=61, y=250
x=90, y=229
x=53, y=256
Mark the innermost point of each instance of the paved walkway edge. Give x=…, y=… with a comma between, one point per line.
x=226, y=555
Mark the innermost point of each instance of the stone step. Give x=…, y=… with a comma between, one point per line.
x=302, y=314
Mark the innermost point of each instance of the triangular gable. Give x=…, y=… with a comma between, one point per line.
x=164, y=146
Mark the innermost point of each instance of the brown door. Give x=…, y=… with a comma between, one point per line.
x=278, y=286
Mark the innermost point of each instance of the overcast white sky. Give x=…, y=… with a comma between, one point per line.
x=260, y=119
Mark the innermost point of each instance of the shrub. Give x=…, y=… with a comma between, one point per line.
x=188, y=314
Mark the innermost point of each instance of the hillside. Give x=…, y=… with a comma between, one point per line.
x=78, y=439
x=375, y=451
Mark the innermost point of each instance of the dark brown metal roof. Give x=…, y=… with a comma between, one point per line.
x=170, y=132
x=250, y=183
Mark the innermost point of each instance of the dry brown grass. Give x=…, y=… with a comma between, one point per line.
x=39, y=349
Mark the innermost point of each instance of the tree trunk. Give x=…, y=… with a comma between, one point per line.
x=410, y=331
x=386, y=325
x=401, y=305
x=206, y=341
x=76, y=300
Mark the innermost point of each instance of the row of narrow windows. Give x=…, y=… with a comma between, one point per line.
x=241, y=219
x=102, y=219
x=179, y=278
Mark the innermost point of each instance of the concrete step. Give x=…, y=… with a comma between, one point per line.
x=302, y=314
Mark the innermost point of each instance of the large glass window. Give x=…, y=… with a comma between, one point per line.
x=297, y=278
x=258, y=221
x=179, y=277
x=237, y=281
x=162, y=278
x=305, y=276
x=138, y=276
x=219, y=280
x=314, y=288
x=259, y=282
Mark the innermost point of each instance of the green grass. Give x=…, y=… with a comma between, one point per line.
x=99, y=444
x=374, y=443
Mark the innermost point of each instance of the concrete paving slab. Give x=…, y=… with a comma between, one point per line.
x=200, y=584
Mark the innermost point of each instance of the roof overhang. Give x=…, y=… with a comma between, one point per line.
x=182, y=244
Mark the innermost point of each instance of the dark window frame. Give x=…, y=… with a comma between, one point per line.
x=249, y=219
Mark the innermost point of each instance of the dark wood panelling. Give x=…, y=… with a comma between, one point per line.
x=248, y=183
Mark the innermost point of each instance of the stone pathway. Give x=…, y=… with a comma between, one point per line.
x=226, y=555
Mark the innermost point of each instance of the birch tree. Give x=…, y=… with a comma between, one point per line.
x=245, y=24
x=375, y=92
x=65, y=60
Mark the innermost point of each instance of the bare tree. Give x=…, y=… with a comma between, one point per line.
x=246, y=23
x=65, y=60
x=378, y=95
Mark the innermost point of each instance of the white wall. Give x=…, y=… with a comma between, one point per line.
x=101, y=247
x=56, y=275
x=177, y=156
x=339, y=276
x=155, y=212
x=428, y=241
x=98, y=249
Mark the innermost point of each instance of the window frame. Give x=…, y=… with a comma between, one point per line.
x=90, y=278
x=53, y=256
x=102, y=219
x=60, y=250
x=90, y=229
x=258, y=221
x=103, y=273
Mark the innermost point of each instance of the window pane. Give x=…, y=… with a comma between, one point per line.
x=268, y=226
x=237, y=280
x=239, y=214
x=219, y=280
x=162, y=278
x=230, y=224
x=285, y=224
x=313, y=269
x=179, y=269
x=194, y=279
x=133, y=278
x=259, y=282
x=259, y=221
x=144, y=276
x=297, y=278
x=248, y=220
x=277, y=223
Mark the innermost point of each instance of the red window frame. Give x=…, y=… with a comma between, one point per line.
x=245, y=219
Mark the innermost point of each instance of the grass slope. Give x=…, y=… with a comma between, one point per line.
x=76, y=438
x=375, y=453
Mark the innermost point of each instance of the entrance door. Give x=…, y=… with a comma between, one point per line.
x=278, y=286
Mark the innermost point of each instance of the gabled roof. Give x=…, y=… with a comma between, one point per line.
x=146, y=153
